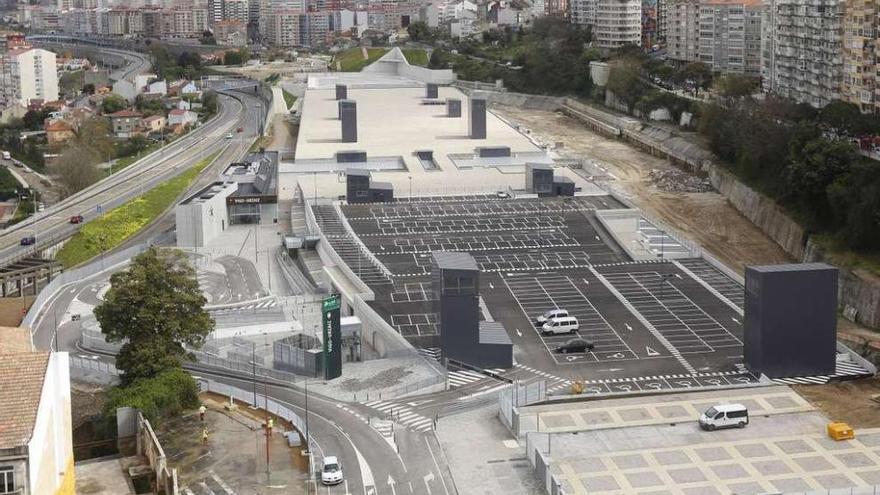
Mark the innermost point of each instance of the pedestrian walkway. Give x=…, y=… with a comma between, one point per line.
x=641, y=411
x=402, y=415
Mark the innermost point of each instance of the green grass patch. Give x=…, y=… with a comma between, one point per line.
x=124, y=221
x=288, y=98
x=352, y=60
x=416, y=56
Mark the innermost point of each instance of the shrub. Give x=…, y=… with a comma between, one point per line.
x=163, y=396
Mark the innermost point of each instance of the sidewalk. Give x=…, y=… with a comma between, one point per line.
x=234, y=458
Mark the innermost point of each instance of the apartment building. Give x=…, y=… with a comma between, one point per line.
x=806, y=63
x=683, y=30
x=31, y=75
x=860, y=51
x=236, y=10
x=729, y=36
x=583, y=12
x=614, y=22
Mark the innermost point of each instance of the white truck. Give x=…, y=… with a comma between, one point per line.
x=7, y=156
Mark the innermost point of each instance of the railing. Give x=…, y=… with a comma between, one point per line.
x=94, y=365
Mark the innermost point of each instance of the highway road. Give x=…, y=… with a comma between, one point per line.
x=52, y=225
x=135, y=63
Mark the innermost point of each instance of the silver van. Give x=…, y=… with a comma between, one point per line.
x=724, y=416
x=565, y=324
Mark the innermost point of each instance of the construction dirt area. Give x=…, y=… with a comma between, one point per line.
x=659, y=188
x=852, y=402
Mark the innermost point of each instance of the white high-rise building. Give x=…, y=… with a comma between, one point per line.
x=806, y=63
x=729, y=36
x=615, y=22
x=32, y=75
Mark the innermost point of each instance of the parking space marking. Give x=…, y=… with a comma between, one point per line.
x=412, y=292
x=415, y=324
x=484, y=242
x=534, y=296
x=453, y=209
x=402, y=226
x=675, y=315
x=715, y=278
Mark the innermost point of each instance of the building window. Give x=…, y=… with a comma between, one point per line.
x=7, y=479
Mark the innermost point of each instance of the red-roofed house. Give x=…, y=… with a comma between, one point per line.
x=125, y=123
x=59, y=131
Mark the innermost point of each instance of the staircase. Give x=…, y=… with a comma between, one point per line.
x=347, y=248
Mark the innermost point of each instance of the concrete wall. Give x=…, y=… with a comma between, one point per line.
x=444, y=76
x=50, y=463
x=200, y=222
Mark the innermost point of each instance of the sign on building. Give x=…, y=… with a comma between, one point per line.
x=332, y=338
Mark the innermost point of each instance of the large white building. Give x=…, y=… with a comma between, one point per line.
x=615, y=22
x=729, y=38
x=36, y=443
x=803, y=51
x=32, y=75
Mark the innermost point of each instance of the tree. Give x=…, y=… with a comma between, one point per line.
x=33, y=119
x=855, y=202
x=88, y=89
x=419, y=31
x=814, y=166
x=698, y=73
x=624, y=80
x=156, y=308
x=842, y=118
x=113, y=104
x=76, y=168
x=736, y=85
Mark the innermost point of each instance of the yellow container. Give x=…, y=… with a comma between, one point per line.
x=840, y=431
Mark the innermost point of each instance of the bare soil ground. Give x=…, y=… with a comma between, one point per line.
x=11, y=312
x=283, y=134
x=848, y=401
x=705, y=217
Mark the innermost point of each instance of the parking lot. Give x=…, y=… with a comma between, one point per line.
x=655, y=325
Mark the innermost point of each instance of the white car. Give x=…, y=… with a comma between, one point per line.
x=331, y=473
x=229, y=136
x=553, y=313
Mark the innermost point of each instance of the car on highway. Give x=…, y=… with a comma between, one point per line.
x=556, y=326
x=229, y=136
x=574, y=346
x=553, y=313
x=724, y=416
x=241, y=129
x=7, y=155
x=76, y=219
x=331, y=472
x=28, y=241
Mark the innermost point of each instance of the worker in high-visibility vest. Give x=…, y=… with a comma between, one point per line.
x=270, y=424
x=205, y=435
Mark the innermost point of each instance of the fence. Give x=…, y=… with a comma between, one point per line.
x=77, y=275
x=519, y=395
x=148, y=446
x=94, y=365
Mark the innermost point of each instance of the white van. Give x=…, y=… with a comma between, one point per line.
x=724, y=416
x=565, y=324
x=7, y=155
x=553, y=313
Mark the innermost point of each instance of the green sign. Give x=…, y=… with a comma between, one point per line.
x=332, y=337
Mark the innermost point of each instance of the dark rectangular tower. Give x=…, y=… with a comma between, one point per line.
x=790, y=323
x=477, y=118
x=348, y=116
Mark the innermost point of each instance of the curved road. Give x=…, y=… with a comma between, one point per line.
x=136, y=63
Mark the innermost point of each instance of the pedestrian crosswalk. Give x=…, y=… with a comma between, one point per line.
x=843, y=369
x=402, y=415
x=461, y=378
x=430, y=352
